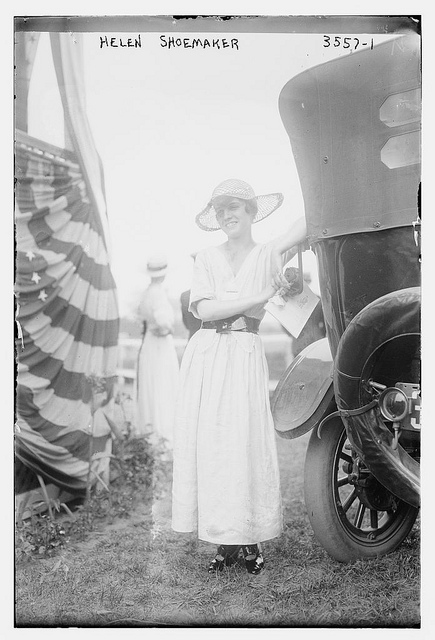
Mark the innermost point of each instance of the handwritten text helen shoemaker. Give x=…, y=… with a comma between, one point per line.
x=170, y=42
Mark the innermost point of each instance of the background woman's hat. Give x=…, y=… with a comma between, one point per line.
x=157, y=265
x=266, y=204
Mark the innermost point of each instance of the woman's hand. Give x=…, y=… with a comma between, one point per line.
x=278, y=279
x=267, y=293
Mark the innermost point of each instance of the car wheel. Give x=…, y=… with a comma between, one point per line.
x=350, y=522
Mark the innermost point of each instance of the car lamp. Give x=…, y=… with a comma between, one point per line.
x=394, y=404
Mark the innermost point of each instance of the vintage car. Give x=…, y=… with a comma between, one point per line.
x=354, y=129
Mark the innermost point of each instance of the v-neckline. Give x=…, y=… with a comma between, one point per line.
x=242, y=263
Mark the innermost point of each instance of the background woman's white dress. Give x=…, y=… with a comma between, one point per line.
x=158, y=369
x=226, y=476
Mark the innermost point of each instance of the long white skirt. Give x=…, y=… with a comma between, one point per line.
x=157, y=386
x=226, y=476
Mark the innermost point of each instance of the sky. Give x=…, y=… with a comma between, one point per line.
x=169, y=125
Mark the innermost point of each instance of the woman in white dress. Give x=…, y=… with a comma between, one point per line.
x=158, y=369
x=226, y=476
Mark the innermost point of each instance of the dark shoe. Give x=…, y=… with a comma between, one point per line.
x=254, y=561
x=226, y=555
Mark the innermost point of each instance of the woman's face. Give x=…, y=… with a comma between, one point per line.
x=232, y=216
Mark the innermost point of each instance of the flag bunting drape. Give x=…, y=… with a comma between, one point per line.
x=67, y=316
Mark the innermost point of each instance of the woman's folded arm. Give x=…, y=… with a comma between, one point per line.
x=219, y=309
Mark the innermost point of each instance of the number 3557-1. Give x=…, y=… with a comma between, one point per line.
x=347, y=42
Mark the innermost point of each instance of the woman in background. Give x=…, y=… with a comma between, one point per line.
x=158, y=370
x=226, y=476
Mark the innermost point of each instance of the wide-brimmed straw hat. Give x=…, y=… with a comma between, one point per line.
x=266, y=204
x=157, y=266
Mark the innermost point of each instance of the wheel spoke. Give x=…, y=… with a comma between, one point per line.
x=345, y=456
x=359, y=515
x=373, y=518
x=349, y=501
x=342, y=481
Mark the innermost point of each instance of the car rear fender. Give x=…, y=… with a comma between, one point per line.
x=386, y=319
x=305, y=392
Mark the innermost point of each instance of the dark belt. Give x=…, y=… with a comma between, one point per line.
x=234, y=323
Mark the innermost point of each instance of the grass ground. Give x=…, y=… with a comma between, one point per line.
x=135, y=571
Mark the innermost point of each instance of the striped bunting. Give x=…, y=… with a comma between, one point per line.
x=67, y=315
